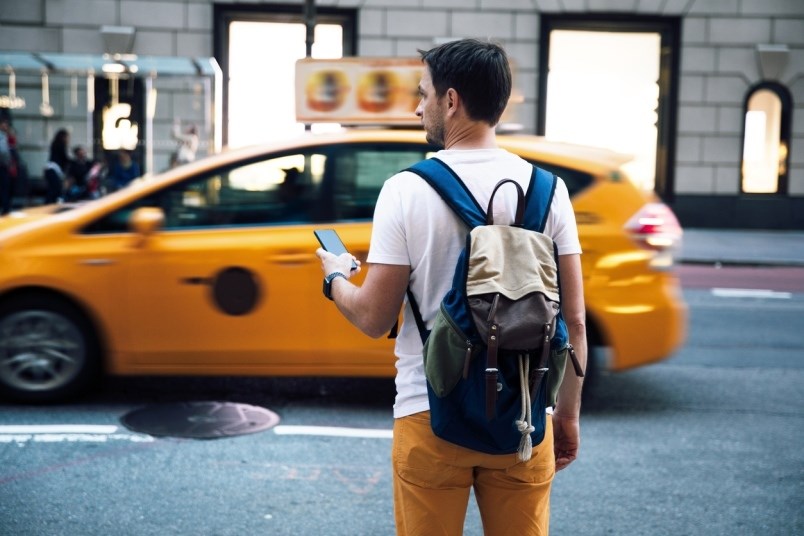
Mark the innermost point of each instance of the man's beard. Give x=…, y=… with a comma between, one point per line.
x=435, y=133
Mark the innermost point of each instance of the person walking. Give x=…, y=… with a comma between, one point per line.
x=6, y=164
x=57, y=166
x=416, y=240
x=188, y=143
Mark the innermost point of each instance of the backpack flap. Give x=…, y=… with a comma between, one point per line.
x=518, y=266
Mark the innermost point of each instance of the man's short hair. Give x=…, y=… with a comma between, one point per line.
x=477, y=70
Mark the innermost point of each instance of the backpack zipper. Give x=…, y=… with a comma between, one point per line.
x=575, y=363
x=467, y=358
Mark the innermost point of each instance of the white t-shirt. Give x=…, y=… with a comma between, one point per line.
x=414, y=227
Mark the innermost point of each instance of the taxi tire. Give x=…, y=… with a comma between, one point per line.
x=68, y=316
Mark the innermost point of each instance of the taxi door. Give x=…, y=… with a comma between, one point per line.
x=231, y=283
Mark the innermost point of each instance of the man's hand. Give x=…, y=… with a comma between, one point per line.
x=566, y=440
x=337, y=263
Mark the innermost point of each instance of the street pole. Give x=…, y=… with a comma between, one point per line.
x=309, y=22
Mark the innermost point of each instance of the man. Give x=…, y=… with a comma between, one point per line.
x=416, y=240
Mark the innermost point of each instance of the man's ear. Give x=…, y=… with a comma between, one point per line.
x=453, y=101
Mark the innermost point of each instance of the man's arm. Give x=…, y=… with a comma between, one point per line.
x=373, y=307
x=566, y=422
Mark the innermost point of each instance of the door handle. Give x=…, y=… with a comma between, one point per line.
x=96, y=262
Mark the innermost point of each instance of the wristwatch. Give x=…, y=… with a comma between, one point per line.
x=328, y=283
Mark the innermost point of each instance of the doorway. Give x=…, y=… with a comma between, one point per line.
x=257, y=48
x=612, y=83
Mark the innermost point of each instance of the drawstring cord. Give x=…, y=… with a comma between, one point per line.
x=525, y=423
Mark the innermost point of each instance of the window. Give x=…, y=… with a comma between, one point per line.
x=258, y=47
x=360, y=171
x=574, y=180
x=766, y=139
x=285, y=189
x=611, y=81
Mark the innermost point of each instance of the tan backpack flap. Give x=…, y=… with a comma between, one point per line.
x=502, y=261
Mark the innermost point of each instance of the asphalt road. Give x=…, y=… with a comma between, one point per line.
x=705, y=443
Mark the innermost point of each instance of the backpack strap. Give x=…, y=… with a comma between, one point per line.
x=539, y=198
x=452, y=190
x=456, y=195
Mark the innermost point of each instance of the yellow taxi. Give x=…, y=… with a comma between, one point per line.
x=209, y=269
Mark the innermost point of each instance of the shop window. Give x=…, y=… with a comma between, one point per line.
x=766, y=139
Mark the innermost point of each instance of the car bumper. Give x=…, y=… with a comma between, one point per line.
x=641, y=322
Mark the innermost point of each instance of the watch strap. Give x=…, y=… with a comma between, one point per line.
x=328, y=283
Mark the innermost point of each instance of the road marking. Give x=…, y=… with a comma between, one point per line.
x=93, y=433
x=58, y=429
x=750, y=293
x=67, y=433
x=332, y=431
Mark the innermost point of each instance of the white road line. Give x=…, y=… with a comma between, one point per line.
x=750, y=293
x=92, y=433
x=58, y=429
x=332, y=431
x=67, y=433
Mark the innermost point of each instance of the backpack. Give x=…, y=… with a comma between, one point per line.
x=495, y=356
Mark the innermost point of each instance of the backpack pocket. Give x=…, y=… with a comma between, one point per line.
x=555, y=373
x=447, y=353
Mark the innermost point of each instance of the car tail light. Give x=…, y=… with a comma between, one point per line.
x=656, y=228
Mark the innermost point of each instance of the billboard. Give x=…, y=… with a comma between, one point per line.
x=358, y=90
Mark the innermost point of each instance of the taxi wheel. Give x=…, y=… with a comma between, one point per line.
x=48, y=351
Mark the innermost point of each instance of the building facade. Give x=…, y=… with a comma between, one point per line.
x=733, y=73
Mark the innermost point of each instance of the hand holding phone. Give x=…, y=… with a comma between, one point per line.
x=331, y=242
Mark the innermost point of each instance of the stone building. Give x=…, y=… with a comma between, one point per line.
x=724, y=129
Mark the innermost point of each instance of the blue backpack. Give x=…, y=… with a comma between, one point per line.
x=496, y=353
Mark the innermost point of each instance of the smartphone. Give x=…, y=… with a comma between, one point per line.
x=331, y=242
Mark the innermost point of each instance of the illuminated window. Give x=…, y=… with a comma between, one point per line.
x=766, y=137
x=258, y=47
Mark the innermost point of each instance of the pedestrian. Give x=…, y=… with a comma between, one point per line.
x=57, y=166
x=6, y=165
x=78, y=175
x=188, y=143
x=122, y=171
x=416, y=240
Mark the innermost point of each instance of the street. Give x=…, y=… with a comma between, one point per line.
x=705, y=443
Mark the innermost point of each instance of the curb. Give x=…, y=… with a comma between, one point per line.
x=772, y=263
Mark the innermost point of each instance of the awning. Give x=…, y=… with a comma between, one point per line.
x=140, y=66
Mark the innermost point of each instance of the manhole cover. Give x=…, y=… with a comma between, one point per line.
x=200, y=420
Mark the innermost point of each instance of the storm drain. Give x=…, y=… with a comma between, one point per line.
x=200, y=420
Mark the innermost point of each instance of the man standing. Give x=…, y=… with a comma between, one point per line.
x=416, y=240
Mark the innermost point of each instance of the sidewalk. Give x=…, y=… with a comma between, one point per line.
x=739, y=246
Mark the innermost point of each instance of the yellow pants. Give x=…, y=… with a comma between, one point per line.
x=432, y=480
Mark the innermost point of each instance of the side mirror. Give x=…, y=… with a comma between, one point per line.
x=146, y=221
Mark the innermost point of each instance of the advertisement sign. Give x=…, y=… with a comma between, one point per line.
x=358, y=90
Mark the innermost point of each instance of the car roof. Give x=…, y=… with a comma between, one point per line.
x=534, y=147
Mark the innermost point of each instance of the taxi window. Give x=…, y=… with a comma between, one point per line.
x=284, y=189
x=359, y=171
x=574, y=179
